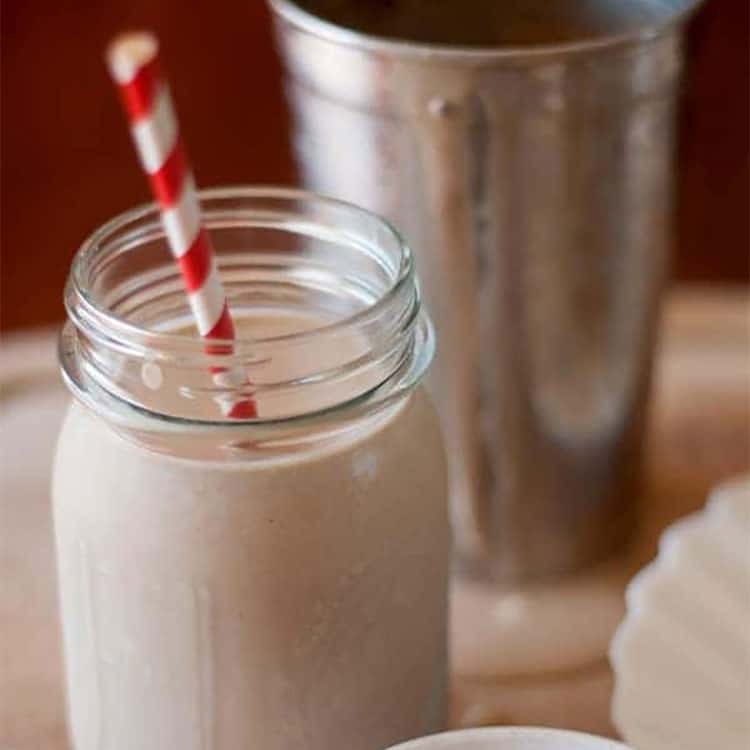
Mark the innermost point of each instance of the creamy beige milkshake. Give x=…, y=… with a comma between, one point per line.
x=280, y=604
x=278, y=584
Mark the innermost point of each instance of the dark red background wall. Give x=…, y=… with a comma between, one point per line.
x=67, y=162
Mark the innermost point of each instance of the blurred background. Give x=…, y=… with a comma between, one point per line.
x=68, y=164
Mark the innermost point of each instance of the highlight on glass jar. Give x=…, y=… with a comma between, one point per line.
x=244, y=581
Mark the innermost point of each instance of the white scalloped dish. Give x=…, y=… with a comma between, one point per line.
x=681, y=656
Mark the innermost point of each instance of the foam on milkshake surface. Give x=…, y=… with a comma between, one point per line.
x=298, y=360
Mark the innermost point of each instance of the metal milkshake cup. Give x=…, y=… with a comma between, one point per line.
x=525, y=151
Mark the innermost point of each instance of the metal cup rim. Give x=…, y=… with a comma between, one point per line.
x=302, y=20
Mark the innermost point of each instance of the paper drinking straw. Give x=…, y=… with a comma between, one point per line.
x=133, y=61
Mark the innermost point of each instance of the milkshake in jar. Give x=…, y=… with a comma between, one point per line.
x=273, y=583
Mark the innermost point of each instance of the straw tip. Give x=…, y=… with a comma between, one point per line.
x=127, y=53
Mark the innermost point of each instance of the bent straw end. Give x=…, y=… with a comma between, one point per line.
x=127, y=53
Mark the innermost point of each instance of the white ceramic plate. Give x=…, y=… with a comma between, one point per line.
x=511, y=738
x=682, y=654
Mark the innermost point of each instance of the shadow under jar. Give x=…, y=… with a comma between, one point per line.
x=278, y=582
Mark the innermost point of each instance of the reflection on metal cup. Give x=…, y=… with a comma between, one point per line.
x=524, y=149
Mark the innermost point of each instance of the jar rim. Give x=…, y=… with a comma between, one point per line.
x=103, y=349
x=100, y=315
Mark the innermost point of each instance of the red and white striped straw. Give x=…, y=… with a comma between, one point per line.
x=134, y=64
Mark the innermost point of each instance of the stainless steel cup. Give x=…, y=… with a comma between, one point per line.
x=524, y=148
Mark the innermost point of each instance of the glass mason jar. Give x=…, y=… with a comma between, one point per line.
x=270, y=583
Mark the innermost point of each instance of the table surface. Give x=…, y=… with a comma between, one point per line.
x=699, y=435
